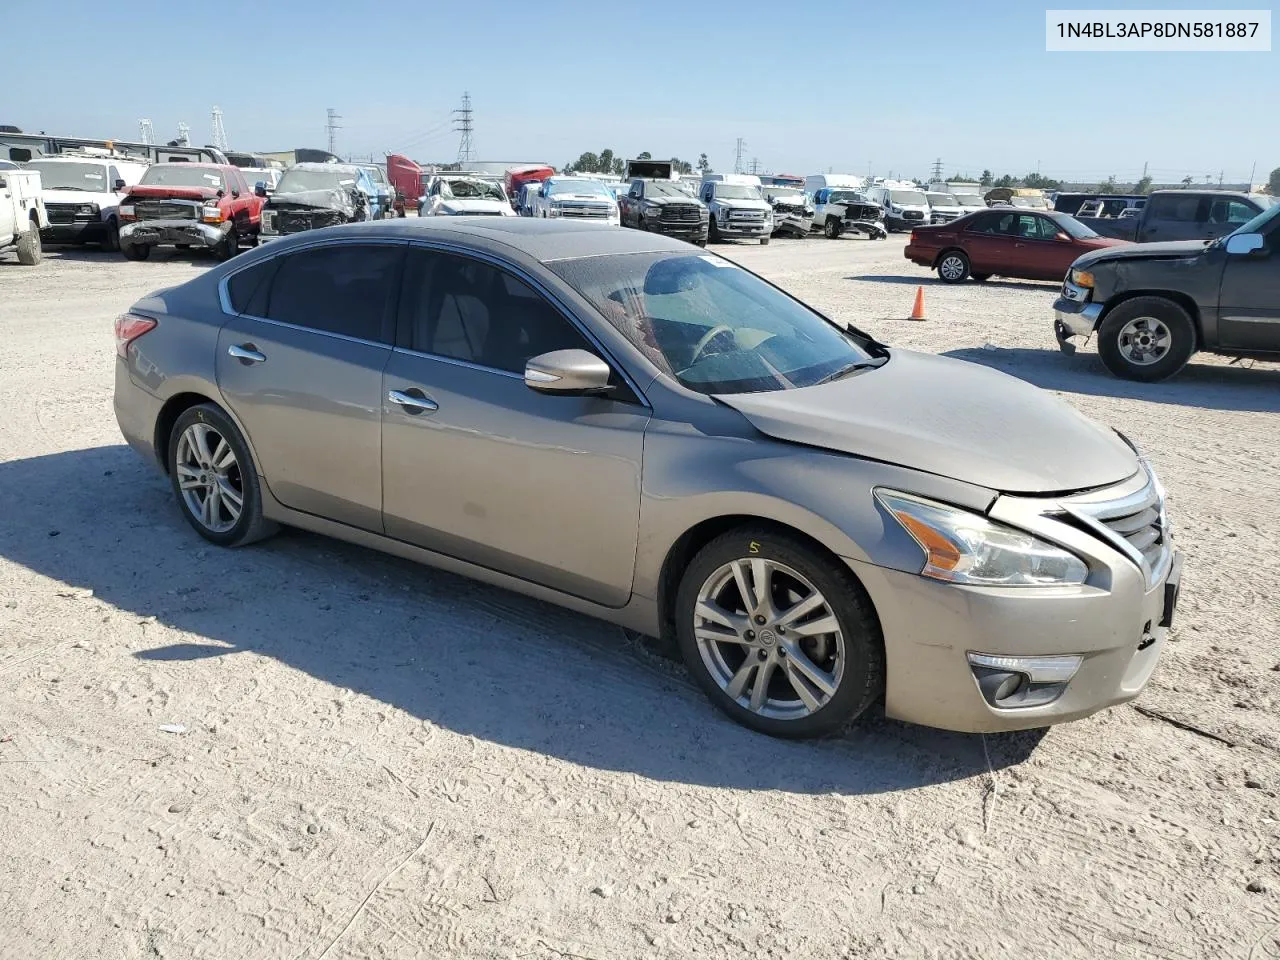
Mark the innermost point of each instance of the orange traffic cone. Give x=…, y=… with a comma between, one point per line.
x=917, y=311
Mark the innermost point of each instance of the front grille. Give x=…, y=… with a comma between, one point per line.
x=61, y=212
x=757, y=215
x=787, y=208
x=596, y=211
x=1135, y=524
x=166, y=210
x=289, y=221
x=680, y=213
x=912, y=215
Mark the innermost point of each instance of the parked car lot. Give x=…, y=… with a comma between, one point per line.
x=342, y=714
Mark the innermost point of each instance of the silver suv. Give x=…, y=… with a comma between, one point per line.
x=617, y=422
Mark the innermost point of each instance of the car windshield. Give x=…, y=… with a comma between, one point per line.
x=1073, y=227
x=844, y=196
x=301, y=181
x=378, y=175
x=969, y=200
x=713, y=326
x=942, y=200
x=784, y=193
x=87, y=177
x=663, y=188
x=589, y=187
x=182, y=175
x=1258, y=223
x=737, y=191
x=475, y=190
x=907, y=197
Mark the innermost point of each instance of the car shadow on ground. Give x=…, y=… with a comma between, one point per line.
x=1212, y=386
x=1037, y=285
x=94, y=254
x=478, y=660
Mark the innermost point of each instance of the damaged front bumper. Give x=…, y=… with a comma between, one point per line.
x=791, y=224
x=150, y=233
x=1074, y=316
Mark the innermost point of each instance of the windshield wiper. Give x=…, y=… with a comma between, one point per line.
x=848, y=369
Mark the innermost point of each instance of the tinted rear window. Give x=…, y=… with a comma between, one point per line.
x=248, y=290
x=344, y=289
x=1173, y=207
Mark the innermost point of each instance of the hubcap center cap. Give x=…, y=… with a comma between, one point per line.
x=767, y=637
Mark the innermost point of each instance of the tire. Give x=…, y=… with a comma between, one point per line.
x=981, y=277
x=832, y=229
x=849, y=657
x=29, y=249
x=111, y=242
x=135, y=251
x=764, y=241
x=953, y=267
x=701, y=243
x=229, y=246
x=713, y=232
x=1146, y=339
x=220, y=524
x=182, y=246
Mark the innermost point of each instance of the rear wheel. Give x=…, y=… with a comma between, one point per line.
x=29, y=249
x=953, y=267
x=1147, y=339
x=214, y=479
x=112, y=240
x=781, y=637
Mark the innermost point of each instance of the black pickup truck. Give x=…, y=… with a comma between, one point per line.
x=1153, y=305
x=1182, y=215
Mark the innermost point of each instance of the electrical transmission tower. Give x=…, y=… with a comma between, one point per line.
x=332, y=127
x=755, y=165
x=937, y=169
x=465, y=127
x=737, y=157
x=219, y=133
x=184, y=134
x=146, y=133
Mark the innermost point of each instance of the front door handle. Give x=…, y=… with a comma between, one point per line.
x=413, y=403
x=246, y=353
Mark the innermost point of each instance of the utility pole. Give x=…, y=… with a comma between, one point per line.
x=937, y=169
x=1252, y=171
x=465, y=127
x=737, y=156
x=332, y=127
x=1220, y=173
x=219, y=133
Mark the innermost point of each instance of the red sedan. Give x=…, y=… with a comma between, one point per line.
x=1009, y=241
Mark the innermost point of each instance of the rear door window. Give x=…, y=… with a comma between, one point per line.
x=250, y=289
x=1231, y=211
x=1173, y=207
x=995, y=224
x=346, y=289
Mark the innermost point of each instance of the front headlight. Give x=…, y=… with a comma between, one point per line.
x=1082, y=278
x=652, y=209
x=211, y=214
x=268, y=218
x=553, y=210
x=963, y=547
x=87, y=210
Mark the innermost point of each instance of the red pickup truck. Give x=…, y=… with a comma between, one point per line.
x=190, y=205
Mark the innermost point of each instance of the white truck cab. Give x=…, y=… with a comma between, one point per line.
x=82, y=193
x=737, y=209
x=22, y=213
x=579, y=198
x=904, y=206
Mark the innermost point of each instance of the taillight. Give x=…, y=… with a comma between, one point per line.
x=129, y=327
x=913, y=237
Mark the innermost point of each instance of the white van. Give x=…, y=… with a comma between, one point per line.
x=820, y=181
x=738, y=211
x=903, y=208
x=82, y=192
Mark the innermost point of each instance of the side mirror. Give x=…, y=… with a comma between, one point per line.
x=260, y=188
x=1244, y=244
x=234, y=193
x=119, y=185
x=567, y=372
x=1063, y=235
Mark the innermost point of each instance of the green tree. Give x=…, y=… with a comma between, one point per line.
x=1273, y=183
x=986, y=178
x=619, y=167
x=644, y=156
x=1186, y=181
x=1109, y=185
x=1143, y=186
x=704, y=165
x=586, y=163
x=681, y=166
x=605, y=164
x=1006, y=181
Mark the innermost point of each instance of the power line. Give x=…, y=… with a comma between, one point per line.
x=464, y=125
x=332, y=127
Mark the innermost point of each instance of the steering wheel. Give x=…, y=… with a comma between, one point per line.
x=710, y=335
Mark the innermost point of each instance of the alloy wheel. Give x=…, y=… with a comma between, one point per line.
x=1144, y=341
x=209, y=478
x=951, y=268
x=769, y=638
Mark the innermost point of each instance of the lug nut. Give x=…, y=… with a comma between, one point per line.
x=751, y=634
x=782, y=651
x=759, y=618
x=764, y=655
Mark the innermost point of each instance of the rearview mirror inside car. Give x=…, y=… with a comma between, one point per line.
x=1243, y=244
x=571, y=372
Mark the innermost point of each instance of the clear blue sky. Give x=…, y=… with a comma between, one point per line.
x=810, y=85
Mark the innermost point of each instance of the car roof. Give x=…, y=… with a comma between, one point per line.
x=544, y=240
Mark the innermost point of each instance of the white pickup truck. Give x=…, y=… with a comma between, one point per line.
x=22, y=213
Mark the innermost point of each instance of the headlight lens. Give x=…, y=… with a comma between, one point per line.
x=553, y=210
x=963, y=547
x=1082, y=278
x=87, y=210
x=652, y=209
x=211, y=215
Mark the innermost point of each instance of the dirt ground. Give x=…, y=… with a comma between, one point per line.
x=306, y=750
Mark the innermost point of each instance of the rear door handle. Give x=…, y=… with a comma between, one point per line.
x=246, y=353
x=412, y=403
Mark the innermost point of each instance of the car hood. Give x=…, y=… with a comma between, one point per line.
x=58, y=195
x=951, y=418
x=473, y=205
x=318, y=199
x=1124, y=250
x=743, y=204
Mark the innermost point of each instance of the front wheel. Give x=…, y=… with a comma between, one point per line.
x=781, y=637
x=214, y=479
x=111, y=241
x=953, y=267
x=30, y=251
x=135, y=251
x=713, y=232
x=831, y=229
x=229, y=246
x=764, y=241
x=1147, y=339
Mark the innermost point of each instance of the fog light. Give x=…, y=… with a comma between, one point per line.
x=1009, y=683
x=1056, y=669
